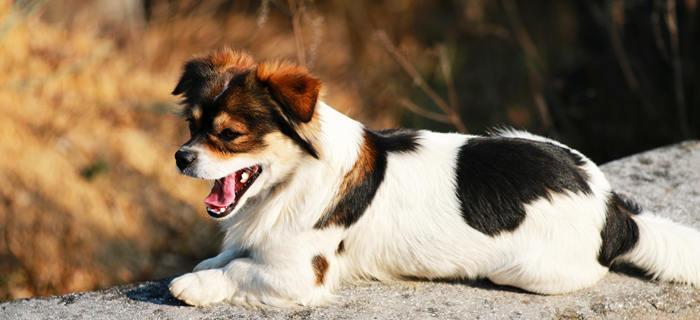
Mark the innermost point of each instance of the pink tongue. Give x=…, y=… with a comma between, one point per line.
x=223, y=194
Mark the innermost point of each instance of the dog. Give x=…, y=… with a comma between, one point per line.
x=309, y=198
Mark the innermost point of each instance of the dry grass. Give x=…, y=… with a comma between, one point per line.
x=88, y=193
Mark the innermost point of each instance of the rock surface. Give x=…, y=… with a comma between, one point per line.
x=665, y=181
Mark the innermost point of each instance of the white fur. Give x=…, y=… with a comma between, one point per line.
x=413, y=227
x=667, y=250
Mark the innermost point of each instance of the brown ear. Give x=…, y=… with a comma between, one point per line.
x=293, y=86
x=204, y=78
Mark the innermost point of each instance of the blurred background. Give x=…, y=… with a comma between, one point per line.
x=89, y=194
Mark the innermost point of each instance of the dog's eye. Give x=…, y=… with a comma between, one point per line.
x=228, y=134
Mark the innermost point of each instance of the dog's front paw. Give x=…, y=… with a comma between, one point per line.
x=201, y=288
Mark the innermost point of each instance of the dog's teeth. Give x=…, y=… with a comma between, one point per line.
x=216, y=210
x=244, y=176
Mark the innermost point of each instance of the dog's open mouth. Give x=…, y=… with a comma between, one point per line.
x=228, y=190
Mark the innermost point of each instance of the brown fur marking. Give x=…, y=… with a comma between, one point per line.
x=364, y=165
x=360, y=171
x=320, y=266
x=293, y=85
x=361, y=183
x=226, y=59
x=225, y=121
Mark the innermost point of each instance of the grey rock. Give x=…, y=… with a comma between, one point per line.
x=666, y=181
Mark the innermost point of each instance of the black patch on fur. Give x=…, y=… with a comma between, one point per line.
x=341, y=248
x=351, y=207
x=620, y=233
x=628, y=204
x=287, y=129
x=497, y=176
x=398, y=140
x=200, y=82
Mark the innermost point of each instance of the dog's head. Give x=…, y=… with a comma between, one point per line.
x=247, y=122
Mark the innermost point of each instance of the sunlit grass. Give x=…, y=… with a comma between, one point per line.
x=89, y=195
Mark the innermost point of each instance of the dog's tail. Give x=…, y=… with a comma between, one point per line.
x=664, y=249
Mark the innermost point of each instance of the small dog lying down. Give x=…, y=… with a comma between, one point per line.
x=309, y=198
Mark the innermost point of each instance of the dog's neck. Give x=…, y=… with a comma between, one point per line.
x=337, y=136
x=299, y=202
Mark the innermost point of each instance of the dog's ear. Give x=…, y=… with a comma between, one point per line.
x=292, y=86
x=203, y=79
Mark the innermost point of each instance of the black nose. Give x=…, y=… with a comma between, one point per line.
x=184, y=158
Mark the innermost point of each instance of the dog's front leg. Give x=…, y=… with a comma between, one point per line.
x=219, y=260
x=285, y=279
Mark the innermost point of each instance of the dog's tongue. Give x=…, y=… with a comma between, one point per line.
x=223, y=194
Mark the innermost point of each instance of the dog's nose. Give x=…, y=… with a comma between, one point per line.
x=183, y=158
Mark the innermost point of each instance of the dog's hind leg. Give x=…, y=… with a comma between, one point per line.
x=555, y=250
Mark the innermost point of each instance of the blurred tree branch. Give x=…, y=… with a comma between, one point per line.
x=446, y=68
x=260, y=20
x=451, y=113
x=299, y=11
x=613, y=22
x=658, y=36
x=671, y=24
x=532, y=60
x=411, y=106
x=617, y=13
x=296, y=7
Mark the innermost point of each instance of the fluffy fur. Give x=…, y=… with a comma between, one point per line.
x=336, y=201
